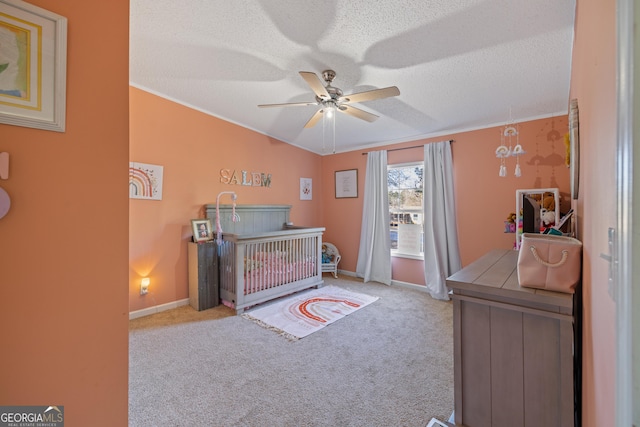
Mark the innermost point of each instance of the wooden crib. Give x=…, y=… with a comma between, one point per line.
x=261, y=258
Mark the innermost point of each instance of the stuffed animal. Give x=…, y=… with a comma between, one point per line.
x=546, y=200
x=510, y=223
x=549, y=202
x=547, y=217
x=326, y=258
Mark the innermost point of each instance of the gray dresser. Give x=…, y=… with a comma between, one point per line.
x=515, y=353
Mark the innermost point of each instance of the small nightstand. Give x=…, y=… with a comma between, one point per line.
x=203, y=275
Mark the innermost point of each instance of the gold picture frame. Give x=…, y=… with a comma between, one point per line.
x=33, y=66
x=202, y=230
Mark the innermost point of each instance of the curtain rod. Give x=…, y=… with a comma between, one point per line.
x=406, y=148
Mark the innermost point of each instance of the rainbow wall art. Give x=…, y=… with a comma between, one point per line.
x=145, y=181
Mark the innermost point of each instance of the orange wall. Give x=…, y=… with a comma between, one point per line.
x=193, y=147
x=63, y=258
x=483, y=199
x=593, y=84
x=194, y=152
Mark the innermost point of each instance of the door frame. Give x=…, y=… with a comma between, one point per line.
x=627, y=208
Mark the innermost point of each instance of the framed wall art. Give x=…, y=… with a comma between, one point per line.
x=306, y=189
x=347, y=183
x=145, y=181
x=574, y=148
x=33, y=66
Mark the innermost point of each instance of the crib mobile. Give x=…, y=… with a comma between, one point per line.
x=234, y=216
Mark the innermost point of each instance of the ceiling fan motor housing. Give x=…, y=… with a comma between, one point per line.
x=334, y=92
x=328, y=75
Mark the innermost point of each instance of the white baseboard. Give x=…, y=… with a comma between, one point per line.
x=417, y=287
x=347, y=273
x=421, y=288
x=175, y=304
x=157, y=309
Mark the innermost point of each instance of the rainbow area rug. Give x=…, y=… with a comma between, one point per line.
x=298, y=315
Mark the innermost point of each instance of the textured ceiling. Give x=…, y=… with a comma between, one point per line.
x=459, y=65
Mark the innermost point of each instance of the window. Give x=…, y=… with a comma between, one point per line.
x=405, y=209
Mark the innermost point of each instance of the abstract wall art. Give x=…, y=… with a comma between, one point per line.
x=145, y=181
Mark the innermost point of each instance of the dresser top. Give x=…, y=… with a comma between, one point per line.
x=495, y=276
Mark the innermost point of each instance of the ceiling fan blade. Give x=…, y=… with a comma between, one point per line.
x=370, y=95
x=290, y=104
x=315, y=83
x=314, y=119
x=356, y=112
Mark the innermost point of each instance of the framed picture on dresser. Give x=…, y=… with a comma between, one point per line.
x=202, y=230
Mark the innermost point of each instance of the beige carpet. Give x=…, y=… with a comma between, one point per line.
x=390, y=364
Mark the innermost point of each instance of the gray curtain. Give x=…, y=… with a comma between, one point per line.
x=374, y=255
x=441, y=251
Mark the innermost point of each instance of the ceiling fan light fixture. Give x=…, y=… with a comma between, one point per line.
x=329, y=126
x=330, y=110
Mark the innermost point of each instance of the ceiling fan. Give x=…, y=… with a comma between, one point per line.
x=331, y=98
